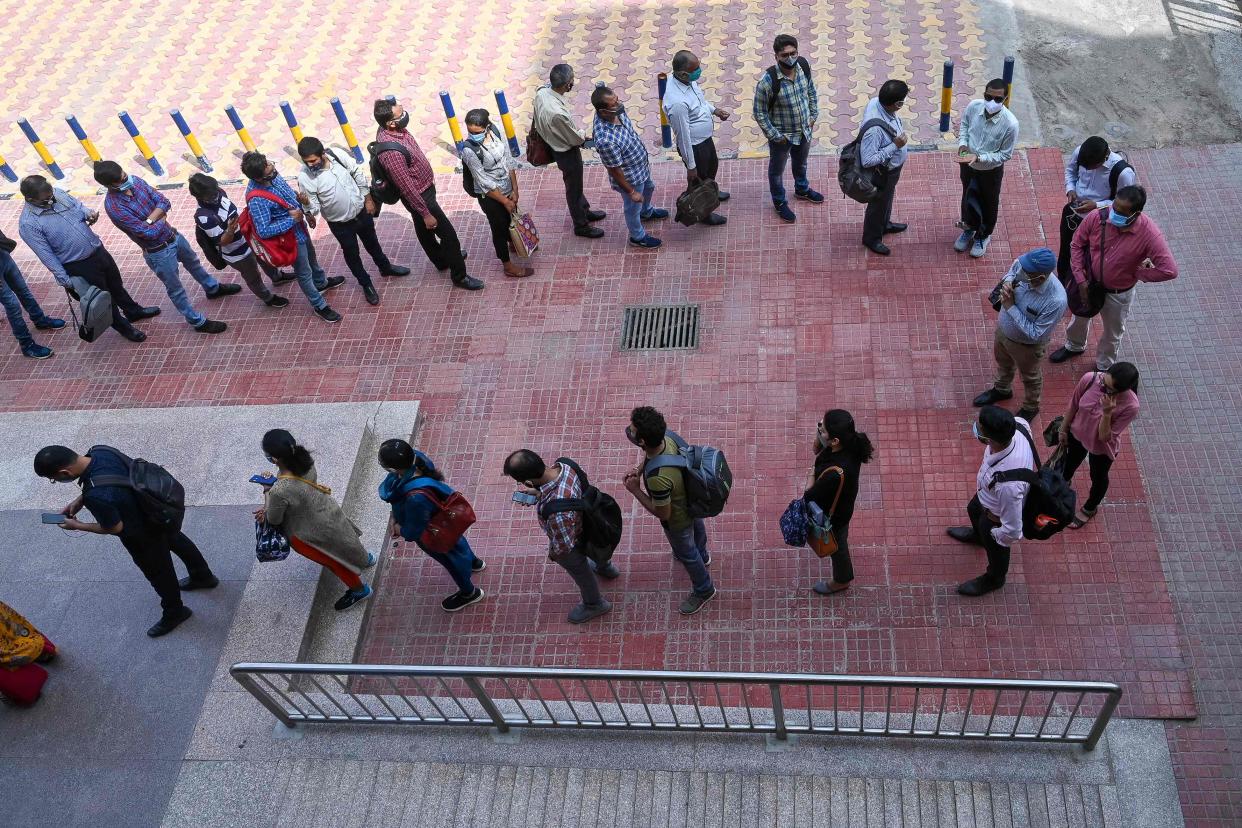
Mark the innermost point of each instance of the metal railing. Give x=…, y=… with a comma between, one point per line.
x=777, y=704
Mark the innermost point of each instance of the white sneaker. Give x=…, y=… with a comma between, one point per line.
x=981, y=247
x=963, y=241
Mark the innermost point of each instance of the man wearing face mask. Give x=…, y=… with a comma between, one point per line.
x=1118, y=247
x=1031, y=306
x=988, y=136
x=623, y=154
x=412, y=175
x=558, y=128
x=996, y=509
x=140, y=211
x=691, y=115
x=1093, y=175
x=57, y=228
x=786, y=108
x=884, y=149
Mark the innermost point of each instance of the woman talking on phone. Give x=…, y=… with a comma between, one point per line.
x=840, y=451
x=313, y=521
x=1103, y=405
x=412, y=483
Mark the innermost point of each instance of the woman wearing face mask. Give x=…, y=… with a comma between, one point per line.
x=313, y=521
x=493, y=172
x=409, y=470
x=1103, y=405
x=840, y=451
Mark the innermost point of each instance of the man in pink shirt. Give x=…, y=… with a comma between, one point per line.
x=1118, y=247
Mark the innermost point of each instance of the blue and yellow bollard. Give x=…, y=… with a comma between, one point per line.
x=242, y=132
x=666, y=131
x=506, y=120
x=351, y=140
x=37, y=143
x=451, y=115
x=6, y=170
x=140, y=142
x=195, y=147
x=946, y=96
x=292, y=121
x=1007, y=75
x=83, y=138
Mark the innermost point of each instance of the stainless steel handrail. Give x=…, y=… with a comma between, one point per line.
x=778, y=704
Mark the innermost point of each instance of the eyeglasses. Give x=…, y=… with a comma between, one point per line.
x=994, y=98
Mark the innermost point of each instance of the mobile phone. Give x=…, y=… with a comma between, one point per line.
x=263, y=479
x=525, y=499
x=54, y=518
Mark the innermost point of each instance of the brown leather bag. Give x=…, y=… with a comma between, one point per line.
x=538, y=153
x=824, y=543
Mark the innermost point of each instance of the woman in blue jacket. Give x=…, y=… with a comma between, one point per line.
x=409, y=470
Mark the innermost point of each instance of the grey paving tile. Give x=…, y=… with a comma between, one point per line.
x=749, y=816
x=891, y=789
x=610, y=782
x=840, y=810
x=1110, y=808
x=946, y=802
x=537, y=802
x=1057, y=815
x=964, y=804
x=625, y=797
x=821, y=802
x=1074, y=806
x=765, y=812
x=1002, y=808
x=875, y=803
x=803, y=811
x=929, y=812
x=503, y=796
x=575, y=785
x=660, y=794
x=642, y=798
x=981, y=795
x=1019, y=807
x=1092, y=816
x=588, y=806
x=558, y=780
x=678, y=798
x=1037, y=806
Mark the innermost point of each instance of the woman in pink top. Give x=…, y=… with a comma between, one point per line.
x=1103, y=405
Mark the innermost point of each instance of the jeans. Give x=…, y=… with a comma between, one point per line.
x=634, y=212
x=100, y=270
x=690, y=548
x=442, y=246
x=348, y=233
x=570, y=163
x=14, y=295
x=1113, y=315
x=153, y=555
x=164, y=264
x=1100, y=464
x=311, y=277
x=879, y=213
x=580, y=568
x=998, y=556
x=778, y=155
x=459, y=562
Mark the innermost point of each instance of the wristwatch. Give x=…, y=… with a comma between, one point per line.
x=148, y=221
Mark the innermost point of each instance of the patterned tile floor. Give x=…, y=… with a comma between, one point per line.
x=798, y=319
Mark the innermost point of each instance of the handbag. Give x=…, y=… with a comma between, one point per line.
x=454, y=515
x=794, y=527
x=821, y=537
x=1096, y=295
x=523, y=235
x=698, y=202
x=538, y=153
x=270, y=544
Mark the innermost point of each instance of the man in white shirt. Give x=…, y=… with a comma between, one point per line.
x=884, y=152
x=988, y=136
x=1093, y=175
x=558, y=128
x=332, y=184
x=690, y=116
x=996, y=509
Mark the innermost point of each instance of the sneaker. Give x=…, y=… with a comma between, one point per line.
x=694, y=602
x=276, y=301
x=707, y=560
x=649, y=242
x=223, y=289
x=50, y=324
x=37, y=351
x=656, y=214
x=978, y=586
x=371, y=559
x=596, y=215
x=478, y=565
x=283, y=276
x=785, y=213
x=981, y=247
x=583, y=613
x=169, y=622
x=608, y=571
x=992, y=396
x=964, y=240
x=457, y=601
x=211, y=326
x=191, y=584
x=810, y=195
x=333, y=282
x=351, y=597
x=328, y=315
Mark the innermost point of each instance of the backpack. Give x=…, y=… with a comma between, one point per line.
x=707, y=476
x=698, y=202
x=382, y=186
x=467, y=177
x=454, y=515
x=96, y=307
x=160, y=497
x=1050, y=501
x=857, y=181
x=1114, y=175
x=278, y=251
x=774, y=73
x=601, y=517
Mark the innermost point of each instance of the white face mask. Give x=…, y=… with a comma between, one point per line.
x=992, y=107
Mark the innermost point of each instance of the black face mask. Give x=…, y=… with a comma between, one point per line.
x=403, y=121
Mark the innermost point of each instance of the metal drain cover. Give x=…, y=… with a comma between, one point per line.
x=660, y=328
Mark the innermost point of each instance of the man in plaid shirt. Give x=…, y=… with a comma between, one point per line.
x=564, y=529
x=786, y=109
x=622, y=152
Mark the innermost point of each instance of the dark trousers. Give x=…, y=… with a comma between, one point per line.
x=706, y=162
x=349, y=233
x=100, y=270
x=998, y=556
x=151, y=554
x=458, y=562
x=1069, y=223
x=880, y=212
x=441, y=245
x=498, y=219
x=570, y=163
x=1075, y=453
x=249, y=270
x=582, y=570
x=842, y=566
x=986, y=190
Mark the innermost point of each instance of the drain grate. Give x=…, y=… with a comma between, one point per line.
x=660, y=328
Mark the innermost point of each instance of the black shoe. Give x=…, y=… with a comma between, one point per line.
x=965, y=534
x=979, y=586
x=992, y=396
x=352, y=597
x=223, y=289
x=588, y=232
x=895, y=227
x=328, y=315
x=191, y=584
x=333, y=282
x=478, y=565
x=211, y=326
x=443, y=267
x=785, y=213
x=724, y=196
x=878, y=247
x=1028, y=414
x=276, y=301
x=143, y=313
x=1061, y=354
x=715, y=220
x=134, y=335
x=283, y=276
x=169, y=622
x=50, y=324
x=458, y=601
x=469, y=283
x=596, y=215
x=608, y=571
x=809, y=195
x=372, y=296
x=395, y=270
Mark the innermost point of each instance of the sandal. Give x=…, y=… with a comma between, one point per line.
x=1081, y=519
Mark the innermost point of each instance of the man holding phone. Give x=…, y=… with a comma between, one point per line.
x=988, y=136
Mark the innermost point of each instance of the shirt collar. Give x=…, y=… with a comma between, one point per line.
x=996, y=458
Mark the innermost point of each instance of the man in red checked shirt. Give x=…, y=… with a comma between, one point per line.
x=412, y=175
x=1119, y=247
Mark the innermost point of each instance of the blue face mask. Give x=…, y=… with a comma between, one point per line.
x=125, y=185
x=479, y=137
x=695, y=75
x=1118, y=220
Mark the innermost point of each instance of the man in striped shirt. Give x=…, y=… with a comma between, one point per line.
x=564, y=529
x=216, y=224
x=988, y=136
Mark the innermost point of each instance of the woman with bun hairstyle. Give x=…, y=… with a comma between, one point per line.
x=840, y=451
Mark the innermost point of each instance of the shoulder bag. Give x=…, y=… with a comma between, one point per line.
x=821, y=537
x=1095, y=285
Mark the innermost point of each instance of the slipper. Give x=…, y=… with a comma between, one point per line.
x=1078, y=522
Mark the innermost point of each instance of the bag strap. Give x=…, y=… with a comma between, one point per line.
x=1114, y=175
x=563, y=504
x=774, y=75
x=310, y=483
x=1031, y=442
x=582, y=478
x=665, y=461
x=875, y=122
x=840, y=489
x=336, y=157
x=268, y=196
x=1015, y=476
x=376, y=148
x=427, y=493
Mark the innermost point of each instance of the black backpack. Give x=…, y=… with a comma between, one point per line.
x=382, y=187
x=857, y=181
x=1050, y=501
x=159, y=495
x=1114, y=175
x=601, y=517
x=774, y=76
x=467, y=177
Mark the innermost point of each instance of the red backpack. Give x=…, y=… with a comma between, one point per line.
x=454, y=515
x=278, y=251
